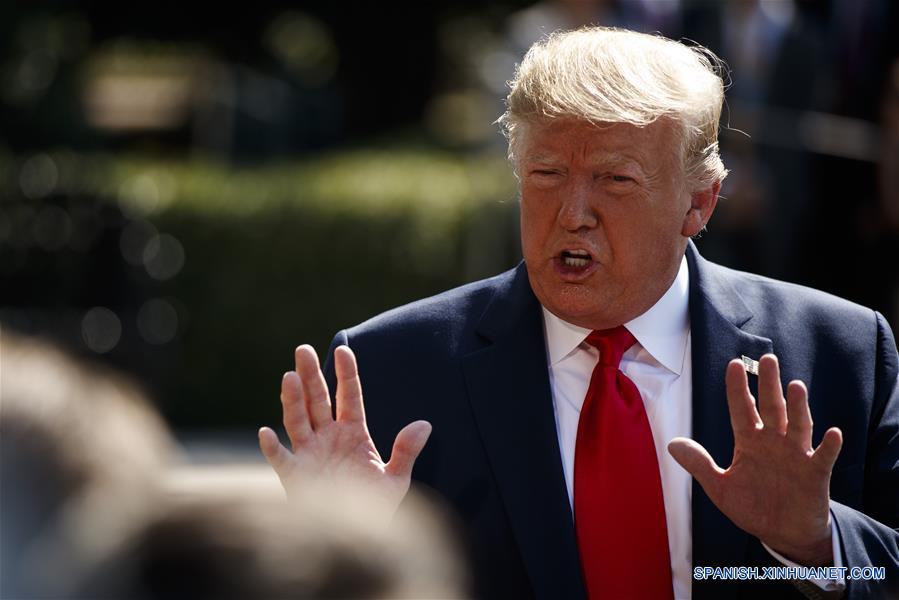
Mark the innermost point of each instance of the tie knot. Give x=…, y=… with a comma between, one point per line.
x=612, y=344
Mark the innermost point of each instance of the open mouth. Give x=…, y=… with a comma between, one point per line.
x=575, y=258
x=574, y=265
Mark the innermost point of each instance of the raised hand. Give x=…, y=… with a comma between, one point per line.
x=341, y=450
x=777, y=486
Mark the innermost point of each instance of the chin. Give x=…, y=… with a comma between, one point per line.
x=578, y=311
x=586, y=306
x=576, y=303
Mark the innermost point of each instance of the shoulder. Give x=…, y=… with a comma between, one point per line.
x=792, y=308
x=446, y=315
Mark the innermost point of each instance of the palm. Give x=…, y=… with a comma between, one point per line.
x=776, y=487
x=753, y=494
x=338, y=449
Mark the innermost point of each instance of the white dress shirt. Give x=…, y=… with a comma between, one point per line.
x=660, y=365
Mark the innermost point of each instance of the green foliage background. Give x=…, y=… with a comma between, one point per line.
x=287, y=253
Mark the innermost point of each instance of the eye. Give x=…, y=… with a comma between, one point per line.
x=545, y=178
x=621, y=178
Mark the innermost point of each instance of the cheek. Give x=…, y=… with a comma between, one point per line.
x=662, y=241
x=531, y=243
x=634, y=238
x=537, y=221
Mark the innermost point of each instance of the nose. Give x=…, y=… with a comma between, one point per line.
x=576, y=211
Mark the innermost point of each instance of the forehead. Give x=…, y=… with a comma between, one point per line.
x=566, y=138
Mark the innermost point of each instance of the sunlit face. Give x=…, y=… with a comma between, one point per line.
x=605, y=217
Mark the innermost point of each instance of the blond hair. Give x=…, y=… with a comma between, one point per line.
x=608, y=75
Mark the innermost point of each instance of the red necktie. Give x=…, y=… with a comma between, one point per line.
x=618, y=508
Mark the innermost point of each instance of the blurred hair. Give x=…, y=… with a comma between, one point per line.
x=71, y=436
x=88, y=508
x=605, y=75
x=246, y=545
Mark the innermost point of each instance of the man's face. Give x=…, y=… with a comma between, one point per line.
x=605, y=217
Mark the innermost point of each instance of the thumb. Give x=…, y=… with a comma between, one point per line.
x=696, y=460
x=827, y=452
x=406, y=448
x=275, y=453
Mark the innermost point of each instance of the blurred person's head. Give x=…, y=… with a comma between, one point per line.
x=614, y=138
x=237, y=545
x=72, y=437
x=89, y=512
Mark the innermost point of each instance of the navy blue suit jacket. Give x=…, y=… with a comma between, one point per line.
x=472, y=361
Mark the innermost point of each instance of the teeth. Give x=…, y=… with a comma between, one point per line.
x=575, y=262
x=576, y=258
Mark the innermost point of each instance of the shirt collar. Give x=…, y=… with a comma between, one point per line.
x=662, y=330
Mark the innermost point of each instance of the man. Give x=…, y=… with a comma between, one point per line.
x=573, y=397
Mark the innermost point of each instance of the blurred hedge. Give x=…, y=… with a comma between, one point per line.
x=274, y=256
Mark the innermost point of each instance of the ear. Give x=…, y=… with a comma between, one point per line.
x=702, y=205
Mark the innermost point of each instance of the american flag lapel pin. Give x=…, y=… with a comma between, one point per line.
x=751, y=366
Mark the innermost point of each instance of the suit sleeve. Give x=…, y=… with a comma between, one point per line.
x=871, y=538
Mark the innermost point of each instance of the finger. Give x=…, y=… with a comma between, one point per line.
x=772, y=406
x=274, y=452
x=296, y=416
x=697, y=461
x=349, y=387
x=827, y=451
x=799, y=418
x=743, y=416
x=315, y=390
x=406, y=448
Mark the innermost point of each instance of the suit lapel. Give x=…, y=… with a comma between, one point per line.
x=717, y=316
x=509, y=390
